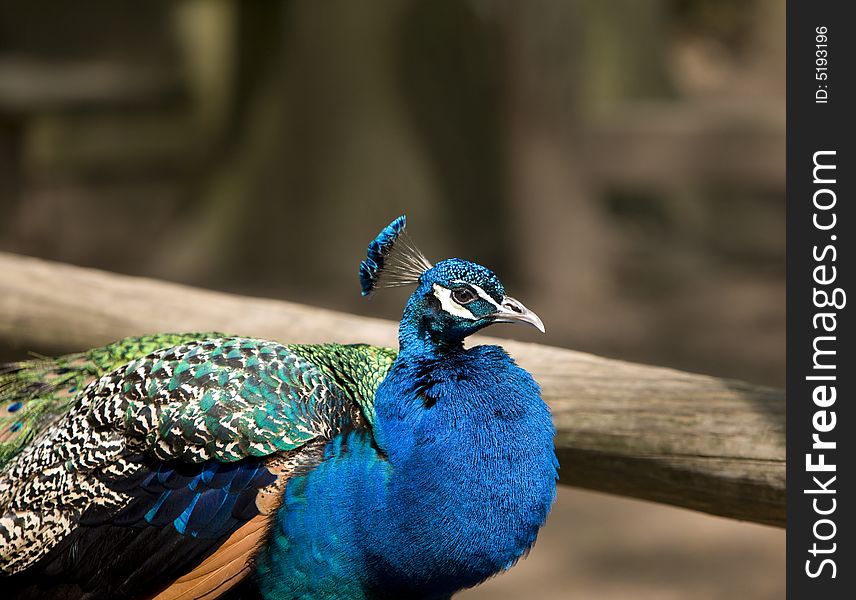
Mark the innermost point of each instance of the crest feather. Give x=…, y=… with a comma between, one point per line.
x=392, y=259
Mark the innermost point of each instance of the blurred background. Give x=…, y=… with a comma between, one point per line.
x=620, y=164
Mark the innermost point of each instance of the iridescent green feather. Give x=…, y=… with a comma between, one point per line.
x=266, y=396
x=34, y=393
x=356, y=368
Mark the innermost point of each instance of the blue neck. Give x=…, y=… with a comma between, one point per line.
x=473, y=470
x=420, y=334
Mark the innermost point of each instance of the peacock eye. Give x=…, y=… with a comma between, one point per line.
x=463, y=295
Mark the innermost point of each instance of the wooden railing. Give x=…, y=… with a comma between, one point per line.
x=694, y=441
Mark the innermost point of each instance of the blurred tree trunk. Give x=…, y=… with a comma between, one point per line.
x=241, y=131
x=451, y=66
x=622, y=52
x=10, y=157
x=348, y=116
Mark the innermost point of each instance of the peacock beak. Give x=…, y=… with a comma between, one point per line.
x=513, y=311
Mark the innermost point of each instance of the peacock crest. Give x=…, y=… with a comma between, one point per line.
x=392, y=259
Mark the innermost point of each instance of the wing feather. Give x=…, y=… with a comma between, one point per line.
x=197, y=439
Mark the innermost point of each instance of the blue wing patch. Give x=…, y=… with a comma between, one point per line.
x=205, y=500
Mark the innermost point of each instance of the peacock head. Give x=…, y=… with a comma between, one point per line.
x=453, y=299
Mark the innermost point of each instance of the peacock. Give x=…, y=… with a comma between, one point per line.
x=206, y=465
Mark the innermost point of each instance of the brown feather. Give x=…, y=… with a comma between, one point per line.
x=232, y=561
x=224, y=569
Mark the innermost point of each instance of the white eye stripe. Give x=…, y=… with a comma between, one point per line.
x=444, y=295
x=482, y=294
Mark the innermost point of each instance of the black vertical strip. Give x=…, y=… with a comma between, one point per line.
x=821, y=224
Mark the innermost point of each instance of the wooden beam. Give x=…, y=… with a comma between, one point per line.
x=689, y=440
